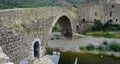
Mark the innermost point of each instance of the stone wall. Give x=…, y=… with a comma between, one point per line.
x=111, y=1
x=90, y=12
x=19, y=28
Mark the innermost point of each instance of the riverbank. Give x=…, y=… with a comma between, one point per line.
x=81, y=40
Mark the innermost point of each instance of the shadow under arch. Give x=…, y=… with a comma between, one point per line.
x=65, y=26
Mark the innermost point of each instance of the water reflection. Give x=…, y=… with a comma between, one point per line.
x=76, y=60
x=82, y=58
x=62, y=58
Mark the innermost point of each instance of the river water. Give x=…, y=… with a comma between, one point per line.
x=81, y=58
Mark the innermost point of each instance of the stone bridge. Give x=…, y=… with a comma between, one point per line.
x=24, y=32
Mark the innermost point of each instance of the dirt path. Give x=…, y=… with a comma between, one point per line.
x=79, y=40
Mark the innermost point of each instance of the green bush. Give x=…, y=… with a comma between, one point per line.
x=114, y=46
x=84, y=33
x=98, y=25
x=101, y=48
x=4, y=6
x=55, y=29
x=90, y=47
x=118, y=26
x=108, y=26
x=82, y=48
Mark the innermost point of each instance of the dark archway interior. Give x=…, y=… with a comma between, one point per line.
x=36, y=49
x=64, y=26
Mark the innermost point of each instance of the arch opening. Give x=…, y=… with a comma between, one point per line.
x=63, y=25
x=36, y=49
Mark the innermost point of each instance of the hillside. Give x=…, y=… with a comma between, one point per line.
x=5, y=4
x=26, y=3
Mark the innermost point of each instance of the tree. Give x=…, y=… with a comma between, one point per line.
x=98, y=26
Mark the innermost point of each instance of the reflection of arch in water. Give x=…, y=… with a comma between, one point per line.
x=36, y=48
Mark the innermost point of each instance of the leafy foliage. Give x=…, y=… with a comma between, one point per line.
x=112, y=46
x=104, y=34
x=88, y=47
x=5, y=4
x=108, y=26
x=98, y=25
x=26, y=3
x=115, y=46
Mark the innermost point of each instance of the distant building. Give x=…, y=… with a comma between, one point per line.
x=104, y=10
x=111, y=1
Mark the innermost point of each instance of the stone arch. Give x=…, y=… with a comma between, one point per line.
x=36, y=48
x=65, y=26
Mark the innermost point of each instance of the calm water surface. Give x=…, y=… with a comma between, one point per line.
x=81, y=58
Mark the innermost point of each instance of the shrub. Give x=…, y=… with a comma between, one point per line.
x=84, y=33
x=108, y=26
x=82, y=48
x=101, y=48
x=118, y=26
x=114, y=46
x=55, y=29
x=97, y=25
x=90, y=47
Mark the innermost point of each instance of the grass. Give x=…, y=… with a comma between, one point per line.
x=104, y=34
x=107, y=30
x=112, y=46
x=101, y=48
x=88, y=47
